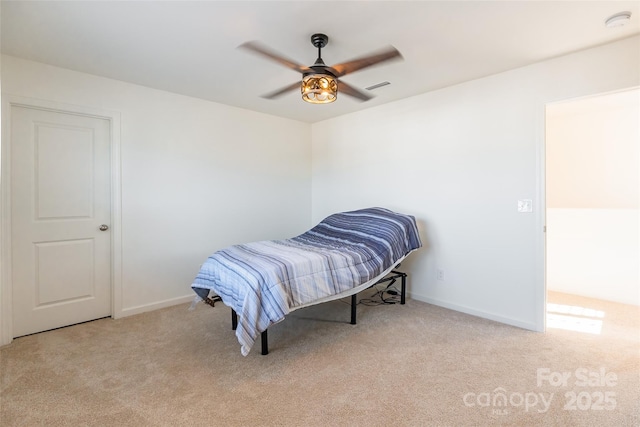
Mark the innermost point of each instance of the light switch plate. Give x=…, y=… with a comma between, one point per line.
x=525, y=205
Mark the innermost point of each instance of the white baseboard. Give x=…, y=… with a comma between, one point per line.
x=130, y=311
x=472, y=311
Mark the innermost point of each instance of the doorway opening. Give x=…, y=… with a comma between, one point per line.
x=592, y=201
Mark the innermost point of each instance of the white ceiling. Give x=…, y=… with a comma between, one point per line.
x=190, y=47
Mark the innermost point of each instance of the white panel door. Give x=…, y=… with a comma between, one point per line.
x=60, y=198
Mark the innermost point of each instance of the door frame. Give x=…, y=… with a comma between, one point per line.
x=541, y=213
x=540, y=299
x=6, y=285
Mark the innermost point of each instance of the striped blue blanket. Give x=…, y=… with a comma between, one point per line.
x=264, y=281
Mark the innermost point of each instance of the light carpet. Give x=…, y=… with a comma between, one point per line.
x=411, y=365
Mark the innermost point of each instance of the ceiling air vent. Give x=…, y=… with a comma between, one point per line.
x=376, y=86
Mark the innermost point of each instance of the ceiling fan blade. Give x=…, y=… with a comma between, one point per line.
x=279, y=92
x=352, y=91
x=366, y=61
x=273, y=55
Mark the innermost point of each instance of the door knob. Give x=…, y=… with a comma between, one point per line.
x=104, y=227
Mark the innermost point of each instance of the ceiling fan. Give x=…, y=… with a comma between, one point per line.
x=320, y=83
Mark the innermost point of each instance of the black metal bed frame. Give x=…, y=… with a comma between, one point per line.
x=393, y=275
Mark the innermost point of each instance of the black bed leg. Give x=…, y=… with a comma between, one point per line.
x=403, y=290
x=353, y=309
x=234, y=319
x=265, y=344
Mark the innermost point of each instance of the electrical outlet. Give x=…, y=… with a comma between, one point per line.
x=440, y=274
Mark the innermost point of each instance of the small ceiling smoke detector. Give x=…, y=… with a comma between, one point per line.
x=618, y=20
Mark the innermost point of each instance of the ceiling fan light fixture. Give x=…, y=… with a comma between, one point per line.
x=319, y=88
x=320, y=82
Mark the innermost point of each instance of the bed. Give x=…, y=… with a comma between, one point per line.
x=344, y=254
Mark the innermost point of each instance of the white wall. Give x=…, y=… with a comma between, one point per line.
x=196, y=176
x=594, y=253
x=459, y=159
x=592, y=149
